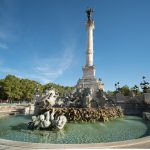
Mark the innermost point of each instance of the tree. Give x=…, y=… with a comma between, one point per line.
x=125, y=90
x=28, y=88
x=2, y=94
x=110, y=93
x=59, y=88
x=12, y=88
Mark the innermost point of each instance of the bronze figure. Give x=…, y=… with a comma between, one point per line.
x=89, y=14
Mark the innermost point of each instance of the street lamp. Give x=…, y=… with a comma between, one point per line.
x=117, y=86
x=144, y=85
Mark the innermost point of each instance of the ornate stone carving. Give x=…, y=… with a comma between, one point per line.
x=47, y=120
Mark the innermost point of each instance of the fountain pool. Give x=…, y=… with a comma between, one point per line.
x=131, y=127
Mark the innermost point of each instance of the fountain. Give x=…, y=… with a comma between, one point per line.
x=85, y=115
x=78, y=109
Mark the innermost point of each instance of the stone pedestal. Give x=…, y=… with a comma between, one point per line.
x=147, y=98
x=88, y=72
x=146, y=115
x=91, y=83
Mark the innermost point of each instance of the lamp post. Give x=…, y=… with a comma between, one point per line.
x=144, y=85
x=117, y=86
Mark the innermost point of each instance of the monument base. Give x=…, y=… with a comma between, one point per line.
x=88, y=72
x=91, y=83
x=146, y=98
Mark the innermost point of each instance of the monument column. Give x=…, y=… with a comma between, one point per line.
x=88, y=79
x=89, y=42
x=89, y=68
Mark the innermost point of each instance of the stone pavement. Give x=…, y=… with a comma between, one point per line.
x=16, y=145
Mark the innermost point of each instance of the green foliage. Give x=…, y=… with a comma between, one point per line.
x=2, y=95
x=125, y=90
x=110, y=93
x=28, y=88
x=59, y=88
x=14, y=88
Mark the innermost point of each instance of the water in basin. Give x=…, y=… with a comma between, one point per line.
x=131, y=127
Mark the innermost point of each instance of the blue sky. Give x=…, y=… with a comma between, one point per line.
x=45, y=40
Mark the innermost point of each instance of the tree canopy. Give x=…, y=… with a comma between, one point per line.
x=14, y=88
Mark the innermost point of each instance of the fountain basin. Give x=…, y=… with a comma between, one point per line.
x=131, y=127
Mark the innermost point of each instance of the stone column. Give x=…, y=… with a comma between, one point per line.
x=89, y=43
x=88, y=79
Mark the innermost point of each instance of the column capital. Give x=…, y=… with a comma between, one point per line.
x=90, y=24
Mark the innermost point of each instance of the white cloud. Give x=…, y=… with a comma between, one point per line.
x=50, y=69
x=3, y=45
x=44, y=69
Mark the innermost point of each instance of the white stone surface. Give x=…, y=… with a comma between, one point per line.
x=88, y=79
x=89, y=68
x=91, y=83
x=140, y=143
x=89, y=43
x=88, y=72
x=29, y=110
x=50, y=96
x=146, y=115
